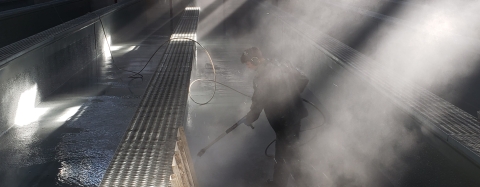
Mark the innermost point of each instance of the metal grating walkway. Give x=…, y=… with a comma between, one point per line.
x=144, y=157
x=454, y=125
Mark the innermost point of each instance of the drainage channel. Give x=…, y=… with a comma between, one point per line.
x=144, y=157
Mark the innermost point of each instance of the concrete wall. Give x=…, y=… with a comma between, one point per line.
x=15, y=4
x=46, y=68
x=27, y=21
x=98, y=4
x=21, y=24
x=12, y=4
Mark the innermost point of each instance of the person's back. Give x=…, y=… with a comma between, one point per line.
x=277, y=89
x=281, y=86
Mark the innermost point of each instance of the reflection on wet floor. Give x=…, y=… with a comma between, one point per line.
x=69, y=138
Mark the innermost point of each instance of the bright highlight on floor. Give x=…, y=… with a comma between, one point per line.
x=26, y=110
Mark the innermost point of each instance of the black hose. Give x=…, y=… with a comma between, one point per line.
x=268, y=146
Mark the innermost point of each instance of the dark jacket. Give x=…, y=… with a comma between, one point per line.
x=277, y=89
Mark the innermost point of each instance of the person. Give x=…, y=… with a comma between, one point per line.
x=277, y=89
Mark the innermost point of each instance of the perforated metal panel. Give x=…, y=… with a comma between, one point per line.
x=191, y=14
x=470, y=141
x=451, y=119
x=144, y=157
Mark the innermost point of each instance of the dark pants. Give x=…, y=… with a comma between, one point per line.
x=287, y=161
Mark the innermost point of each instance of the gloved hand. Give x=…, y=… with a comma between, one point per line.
x=243, y=120
x=250, y=125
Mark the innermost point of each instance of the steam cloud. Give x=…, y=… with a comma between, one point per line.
x=432, y=44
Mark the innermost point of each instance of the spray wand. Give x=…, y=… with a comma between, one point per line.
x=201, y=152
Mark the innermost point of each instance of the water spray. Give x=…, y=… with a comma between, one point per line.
x=202, y=151
x=222, y=135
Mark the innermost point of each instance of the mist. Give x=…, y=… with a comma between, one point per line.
x=368, y=135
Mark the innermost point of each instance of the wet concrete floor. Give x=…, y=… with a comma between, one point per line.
x=79, y=127
x=72, y=143
x=238, y=159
